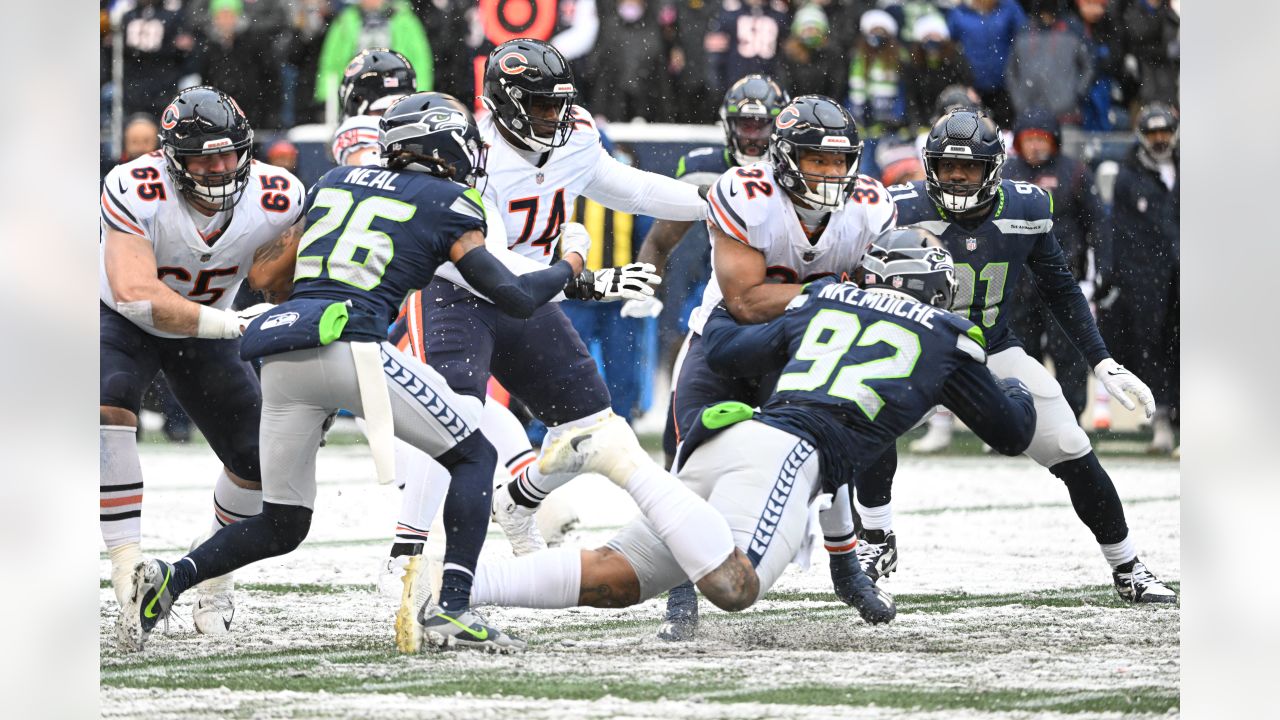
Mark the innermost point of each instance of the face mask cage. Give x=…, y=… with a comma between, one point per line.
x=962, y=196
x=824, y=190
x=219, y=190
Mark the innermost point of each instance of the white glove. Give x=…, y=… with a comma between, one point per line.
x=218, y=324
x=633, y=281
x=645, y=308
x=1121, y=383
x=574, y=238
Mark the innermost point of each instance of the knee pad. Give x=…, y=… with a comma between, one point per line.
x=1058, y=442
x=291, y=524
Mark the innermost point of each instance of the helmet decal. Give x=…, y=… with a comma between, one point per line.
x=169, y=118
x=507, y=67
x=788, y=117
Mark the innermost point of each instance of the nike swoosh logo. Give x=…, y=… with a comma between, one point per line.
x=482, y=635
x=147, y=612
x=1114, y=373
x=733, y=192
x=574, y=443
x=122, y=188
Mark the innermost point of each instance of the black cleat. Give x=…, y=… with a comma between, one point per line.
x=855, y=589
x=681, y=622
x=877, y=553
x=1138, y=585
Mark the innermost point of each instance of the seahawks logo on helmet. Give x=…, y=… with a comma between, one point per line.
x=441, y=119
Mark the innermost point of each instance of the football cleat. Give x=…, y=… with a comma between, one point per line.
x=148, y=603
x=415, y=594
x=467, y=630
x=557, y=517
x=877, y=553
x=681, y=622
x=520, y=523
x=123, y=559
x=1162, y=440
x=857, y=590
x=1138, y=585
x=214, y=607
x=609, y=448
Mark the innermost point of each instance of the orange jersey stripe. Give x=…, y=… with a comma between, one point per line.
x=727, y=223
x=107, y=206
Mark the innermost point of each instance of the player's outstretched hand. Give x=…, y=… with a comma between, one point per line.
x=574, y=238
x=1121, y=384
x=645, y=308
x=633, y=281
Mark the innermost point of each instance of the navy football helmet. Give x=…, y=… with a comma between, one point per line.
x=433, y=133
x=520, y=74
x=206, y=121
x=911, y=260
x=963, y=135
x=376, y=74
x=747, y=114
x=814, y=123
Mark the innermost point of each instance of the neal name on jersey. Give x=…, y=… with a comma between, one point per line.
x=203, y=259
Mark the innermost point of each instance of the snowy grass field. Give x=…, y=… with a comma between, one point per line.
x=1004, y=610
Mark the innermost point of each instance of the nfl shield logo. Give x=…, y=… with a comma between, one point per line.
x=808, y=257
x=539, y=178
x=897, y=281
x=971, y=244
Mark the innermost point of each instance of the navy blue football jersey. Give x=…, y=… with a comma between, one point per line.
x=701, y=166
x=861, y=368
x=1015, y=232
x=375, y=235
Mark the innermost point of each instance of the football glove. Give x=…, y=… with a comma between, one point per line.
x=1121, y=383
x=574, y=238
x=646, y=308
x=633, y=281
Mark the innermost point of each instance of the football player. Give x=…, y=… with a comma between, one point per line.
x=804, y=214
x=544, y=152
x=373, y=80
x=182, y=228
x=746, y=114
x=859, y=368
x=372, y=235
x=995, y=228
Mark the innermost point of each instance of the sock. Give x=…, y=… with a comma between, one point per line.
x=943, y=419
x=838, y=533
x=532, y=487
x=120, y=485
x=876, y=518
x=1118, y=554
x=550, y=578
x=277, y=530
x=695, y=533
x=1094, y=498
x=424, y=492
x=232, y=503
x=466, y=516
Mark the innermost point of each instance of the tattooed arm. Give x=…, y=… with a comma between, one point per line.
x=273, y=262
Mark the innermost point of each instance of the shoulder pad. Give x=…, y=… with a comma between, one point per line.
x=703, y=160
x=736, y=209
x=585, y=131
x=122, y=208
x=273, y=181
x=970, y=340
x=355, y=132
x=876, y=201
x=1025, y=201
x=911, y=203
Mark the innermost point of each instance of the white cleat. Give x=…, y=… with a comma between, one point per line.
x=609, y=448
x=214, y=607
x=520, y=523
x=415, y=592
x=1162, y=441
x=123, y=560
x=391, y=575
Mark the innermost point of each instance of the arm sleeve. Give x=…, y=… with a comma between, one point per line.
x=1058, y=287
x=735, y=350
x=518, y=296
x=624, y=188
x=1001, y=412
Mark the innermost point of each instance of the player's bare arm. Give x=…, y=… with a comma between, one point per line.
x=273, y=265
x=662, y=239
x=741, y=271
x=138, y=291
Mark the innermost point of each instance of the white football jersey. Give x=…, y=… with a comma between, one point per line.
x=139, y=198
x=750, y=207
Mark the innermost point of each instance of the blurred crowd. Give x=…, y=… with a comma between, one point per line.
x=1092, y=63
x=1038, y=67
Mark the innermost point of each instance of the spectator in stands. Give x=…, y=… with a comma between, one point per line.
x=372, y=23
x=810, y=63
x=898, y=160
x=284, y=154
x=908, y=12
x=985, y=29
x=448, y=25
x=744, y=38
x=309, y=22
x=269, y=17
x=156, y=55
x=141, y=136
x=934, y=63
x=1139, y=313
x=1093, y=23
x=243, y=63
x=876, y=99
x=1079, y=223
x=631, y=61
x=688, y=61
x=1152, y=51
x=1049, y=67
